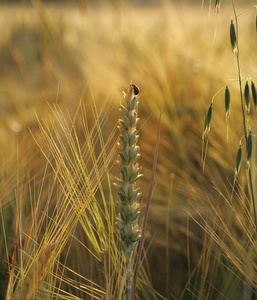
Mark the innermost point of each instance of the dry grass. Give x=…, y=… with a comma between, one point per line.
x=73, y=59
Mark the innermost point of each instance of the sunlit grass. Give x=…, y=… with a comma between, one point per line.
x=71, y=185
x=61, y=178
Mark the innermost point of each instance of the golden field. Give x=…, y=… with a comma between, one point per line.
x=63, y=70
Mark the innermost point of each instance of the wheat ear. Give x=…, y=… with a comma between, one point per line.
x=128, y=206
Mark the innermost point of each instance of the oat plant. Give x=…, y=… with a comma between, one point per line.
x=238, y=212
x=128, y=206
x=245, y=110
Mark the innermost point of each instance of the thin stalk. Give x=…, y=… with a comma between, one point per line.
x=249, y=177
x=149, y=197
x=252, y=196
x=128, y=281
x=239, y=73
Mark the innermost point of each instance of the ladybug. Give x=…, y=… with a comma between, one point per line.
x=135, y=88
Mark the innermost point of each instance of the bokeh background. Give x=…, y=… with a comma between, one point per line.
x=178, y=53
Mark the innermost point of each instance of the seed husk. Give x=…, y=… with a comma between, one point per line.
x=254, y=94
x=233, y=39
x=238, y=160
x=227, y=101
x=247, y=97
x=249, y=147
x=207, y=121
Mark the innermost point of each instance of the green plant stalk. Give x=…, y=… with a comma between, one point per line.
x=252, y=196
x=128, y=281
x=249, y=177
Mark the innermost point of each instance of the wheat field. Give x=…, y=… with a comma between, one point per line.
x=63, y=70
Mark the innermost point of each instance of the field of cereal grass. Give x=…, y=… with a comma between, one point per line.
x=62, y=65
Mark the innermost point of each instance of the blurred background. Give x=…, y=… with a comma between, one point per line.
x=178, y=53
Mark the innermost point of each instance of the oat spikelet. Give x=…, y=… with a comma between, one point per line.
x=207, y=122
x=233, y=38
x=249, y=147
x=227, y=106
x=254, y=94
x=238, y=159
x=247, y=98
x=217, y=6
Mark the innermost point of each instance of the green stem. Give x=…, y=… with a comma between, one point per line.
x=252, y=196
x=239, y=72
x=128, y=281
x=241, y=95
